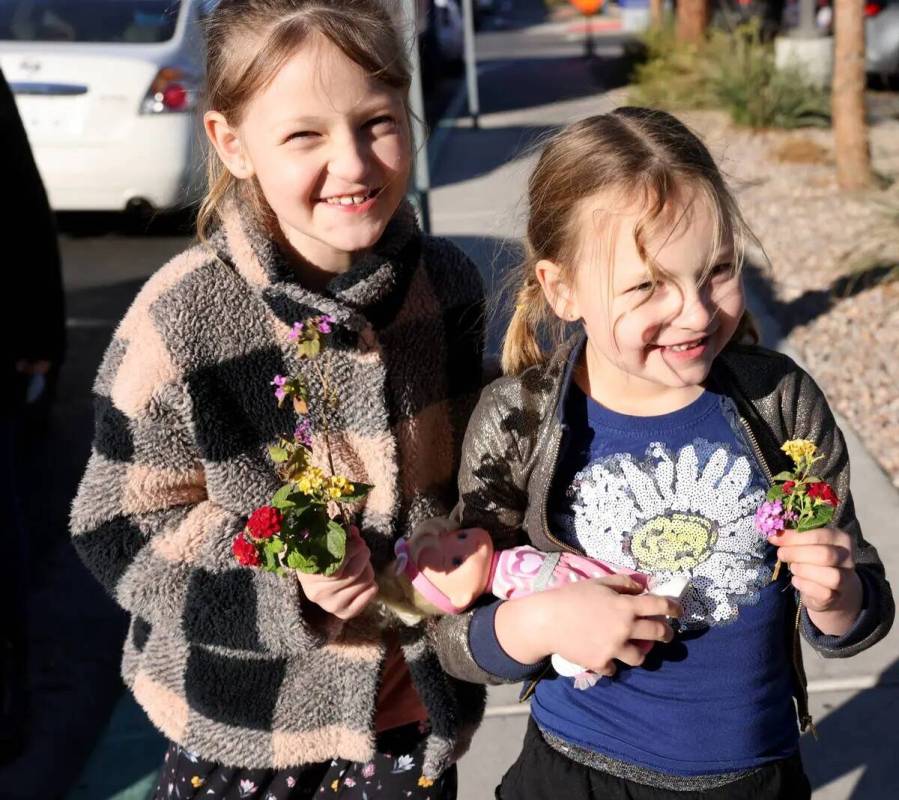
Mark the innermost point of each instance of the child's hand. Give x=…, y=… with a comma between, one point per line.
x=591, y=623
x=349, y=590
x=823, y=570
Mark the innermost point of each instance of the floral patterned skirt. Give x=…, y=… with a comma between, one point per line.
x=394, y=773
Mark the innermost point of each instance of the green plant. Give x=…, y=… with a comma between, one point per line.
x=734, y=70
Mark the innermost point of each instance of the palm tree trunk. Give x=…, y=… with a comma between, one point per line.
x=656, y=13
x=692, y=20
x=850, y=128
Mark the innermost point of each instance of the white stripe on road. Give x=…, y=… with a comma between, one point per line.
x=90, y=322
x=853, y=684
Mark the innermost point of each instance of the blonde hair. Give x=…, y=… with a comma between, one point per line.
x=641, y=155
x=247, y=42
x=396, y=591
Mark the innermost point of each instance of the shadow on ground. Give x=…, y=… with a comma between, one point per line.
x=812, y=303
x=859, y=734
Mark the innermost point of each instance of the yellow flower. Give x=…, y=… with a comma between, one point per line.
x=334, y=492
x=335, y=784
x=311, y=480
x=196, y=781
x=799, y=449
x=425, y=783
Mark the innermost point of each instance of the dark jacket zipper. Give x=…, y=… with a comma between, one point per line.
x=805, y=718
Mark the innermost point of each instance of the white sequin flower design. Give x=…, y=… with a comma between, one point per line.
x=685, y=514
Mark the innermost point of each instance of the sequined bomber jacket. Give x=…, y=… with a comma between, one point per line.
x=510, y=456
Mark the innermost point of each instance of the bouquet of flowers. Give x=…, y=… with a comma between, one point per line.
x=306, y=524
x=797, y=499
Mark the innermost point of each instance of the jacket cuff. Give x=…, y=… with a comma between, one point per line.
x=488, y=652
x=864, y=625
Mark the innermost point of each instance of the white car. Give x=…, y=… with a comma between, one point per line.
x=107, y=90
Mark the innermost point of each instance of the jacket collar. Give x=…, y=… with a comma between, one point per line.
x=350, y=297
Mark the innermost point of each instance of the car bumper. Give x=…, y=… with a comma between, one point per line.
x=158, y=162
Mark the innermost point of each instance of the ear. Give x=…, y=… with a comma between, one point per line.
x=559, y=294
x=227, y=144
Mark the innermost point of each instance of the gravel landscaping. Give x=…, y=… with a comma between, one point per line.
x=833, y=280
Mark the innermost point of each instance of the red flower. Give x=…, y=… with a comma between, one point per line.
x=264, y=522
x=822, y=491
x=788, y=487
x=245, y=552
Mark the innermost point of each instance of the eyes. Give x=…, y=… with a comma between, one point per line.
x=380, y=125
x=723, y=271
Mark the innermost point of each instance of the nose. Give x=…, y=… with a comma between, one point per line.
x=697, y=309
x=350, y=158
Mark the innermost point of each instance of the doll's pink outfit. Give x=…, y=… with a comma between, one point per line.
x=523, y=570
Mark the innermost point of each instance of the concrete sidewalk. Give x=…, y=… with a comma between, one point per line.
x=481, y=177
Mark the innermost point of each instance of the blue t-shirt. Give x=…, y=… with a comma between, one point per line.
x=676, y=494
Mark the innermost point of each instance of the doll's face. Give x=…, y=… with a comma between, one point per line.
x=457, y=563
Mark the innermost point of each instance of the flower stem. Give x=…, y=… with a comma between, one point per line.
x=776, y=573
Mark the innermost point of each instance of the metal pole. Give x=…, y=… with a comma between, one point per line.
x=471, y=64
x=421, y=173
x=589, y=52
x=807, y=28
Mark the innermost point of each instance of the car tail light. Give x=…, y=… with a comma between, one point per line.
x=172, y=90
x=873, y=9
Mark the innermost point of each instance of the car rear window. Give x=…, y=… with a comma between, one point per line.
x=127, y=21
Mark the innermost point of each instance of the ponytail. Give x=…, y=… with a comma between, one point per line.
x=521, y=347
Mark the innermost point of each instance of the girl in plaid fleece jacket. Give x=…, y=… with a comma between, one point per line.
x=268, y=685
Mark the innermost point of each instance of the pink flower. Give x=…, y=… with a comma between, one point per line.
x=303, y=432
x=280, y=392
x=325, y=322
x=349, y=782
x=368, y=770
x=769, y=519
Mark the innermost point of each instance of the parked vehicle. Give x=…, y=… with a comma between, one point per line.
x=107, y=91
x=882, y=37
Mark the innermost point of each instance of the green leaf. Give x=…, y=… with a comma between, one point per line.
x=819, y=519
x=282, y=498
x=278, y=454
x=783, y=476
x=775, y=493
x=360, y=490
x=309, y=348
x=307, y=565
x=335, y=540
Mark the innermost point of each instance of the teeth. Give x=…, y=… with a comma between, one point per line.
x=679, y=348
x=348, y=199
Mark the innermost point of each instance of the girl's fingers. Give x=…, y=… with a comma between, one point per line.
x=833, y=536
x=631, y=654
x=822, y=555
x=813, y=594
x=828, y=577
x=623, y=584
x=652, y=630
x=650, y=605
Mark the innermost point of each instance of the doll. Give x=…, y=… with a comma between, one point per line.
x=442, y=570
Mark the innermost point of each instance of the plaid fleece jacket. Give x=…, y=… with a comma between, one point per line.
x=225, y=659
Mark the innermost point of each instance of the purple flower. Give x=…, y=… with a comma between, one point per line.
x=303, y=432
x=790, y=516
x=325, y=321
x=280, y=392
x=769, y=519
x=295, y=331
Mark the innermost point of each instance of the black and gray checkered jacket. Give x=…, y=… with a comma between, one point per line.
x=223, y=658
